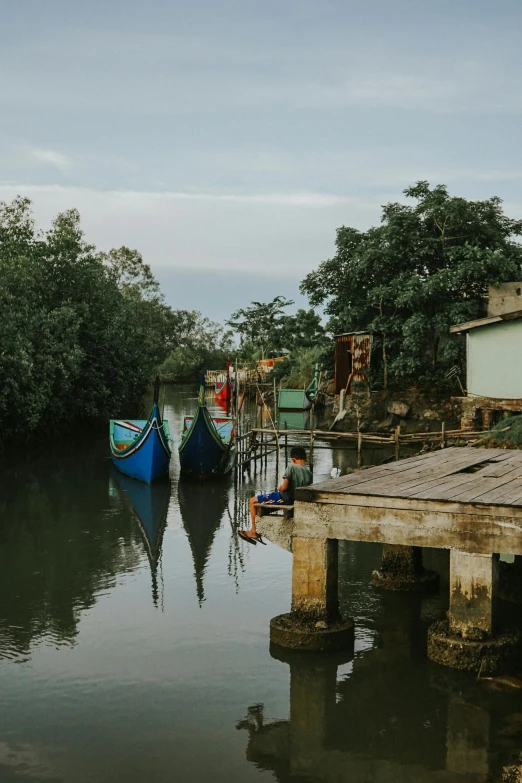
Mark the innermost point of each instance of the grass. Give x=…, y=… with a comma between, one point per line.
x=506, y=433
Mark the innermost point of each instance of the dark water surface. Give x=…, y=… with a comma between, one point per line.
x=127, y=657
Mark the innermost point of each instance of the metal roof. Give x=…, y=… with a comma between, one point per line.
x=492, y=319
x=347, y=334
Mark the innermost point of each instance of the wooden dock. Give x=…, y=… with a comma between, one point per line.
x=468, y=501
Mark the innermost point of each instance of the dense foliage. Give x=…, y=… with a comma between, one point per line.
x=265, y=329
x=426, y=267
x=81, y=332
x=199, y=344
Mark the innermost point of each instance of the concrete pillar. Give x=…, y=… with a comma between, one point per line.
x=469, y=638
x=469, y=413
x=511, y=580
x=315, y=579
x=314, y=622
x=402, y=569
x=473, y=594
x=342, y=396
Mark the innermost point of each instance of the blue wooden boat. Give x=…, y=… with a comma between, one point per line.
x=149, y=504
x=141, y=448
x=207, y=443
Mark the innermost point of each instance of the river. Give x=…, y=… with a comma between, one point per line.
x=129, y=659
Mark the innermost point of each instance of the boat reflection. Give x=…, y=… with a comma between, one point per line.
x=149, y=504
x=202, y=506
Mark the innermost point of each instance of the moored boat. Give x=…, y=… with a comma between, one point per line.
x=224, y=390
x=207, y=442
x=141, y=448
x=300, y=399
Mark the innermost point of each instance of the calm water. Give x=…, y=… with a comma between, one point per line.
x=132, y=658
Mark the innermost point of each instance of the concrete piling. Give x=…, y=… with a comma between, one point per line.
x=402, y=569
x=470, y=638
x=314, y=622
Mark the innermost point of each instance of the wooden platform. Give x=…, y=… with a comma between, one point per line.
x=274, y=509
x=465, y=498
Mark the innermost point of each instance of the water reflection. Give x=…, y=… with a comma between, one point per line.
x=388, y=715
x=60, y=546
x=149, y=504
x=202, y=505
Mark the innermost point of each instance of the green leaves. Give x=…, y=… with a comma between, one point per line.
x=427, y=266
x=81, y=333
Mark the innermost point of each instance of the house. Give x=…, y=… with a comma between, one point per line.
x=494, y=356
x=352, y=360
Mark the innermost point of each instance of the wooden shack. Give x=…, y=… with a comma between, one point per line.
x=352, y=360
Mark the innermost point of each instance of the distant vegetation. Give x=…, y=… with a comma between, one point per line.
x=82, y=333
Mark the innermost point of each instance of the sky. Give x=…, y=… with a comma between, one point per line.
x=228, y=139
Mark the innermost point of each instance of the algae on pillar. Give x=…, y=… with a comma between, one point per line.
x=470, y=638
x=402, y=569
x=314, y=622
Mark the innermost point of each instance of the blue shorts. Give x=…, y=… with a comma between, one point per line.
x=272, y=497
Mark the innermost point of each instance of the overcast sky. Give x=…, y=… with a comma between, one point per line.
x=237, y=136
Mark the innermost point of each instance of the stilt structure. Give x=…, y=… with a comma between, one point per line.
x=466, y=500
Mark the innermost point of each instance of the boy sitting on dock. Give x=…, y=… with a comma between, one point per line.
x=295, y=475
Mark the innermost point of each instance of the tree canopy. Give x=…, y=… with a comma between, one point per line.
x=200, y=344
x=81, y=332
x=257, y=324
x=426, y=267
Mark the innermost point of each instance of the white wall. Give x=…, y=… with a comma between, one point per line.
x=495, y=360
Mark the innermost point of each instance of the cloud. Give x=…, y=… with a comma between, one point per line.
x=274, y=233
x=51, y=158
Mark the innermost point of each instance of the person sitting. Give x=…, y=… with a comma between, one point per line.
x=295, y=475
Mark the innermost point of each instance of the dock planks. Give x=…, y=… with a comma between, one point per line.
x=455, y=498
x=487, y=476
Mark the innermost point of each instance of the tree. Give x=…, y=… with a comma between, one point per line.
x=81, y=333
x=200, y=344
x=302, y=330
x=259, y=323
x=426, y=267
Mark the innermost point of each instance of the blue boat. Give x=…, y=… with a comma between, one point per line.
x=207, y=443
x=149, y=505
x=141, y=448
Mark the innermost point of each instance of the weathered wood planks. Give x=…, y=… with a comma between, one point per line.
x=467, y=499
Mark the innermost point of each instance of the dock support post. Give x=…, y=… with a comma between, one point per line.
x=314, y=622
x=511, y=580
x=473, y=594
x=402, y=569
x=469, y=638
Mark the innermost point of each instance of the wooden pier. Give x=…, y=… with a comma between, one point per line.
x=466, y=500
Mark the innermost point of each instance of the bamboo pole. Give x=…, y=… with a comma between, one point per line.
x=397, y=441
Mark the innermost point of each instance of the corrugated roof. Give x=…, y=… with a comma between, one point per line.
x=347, y=334
x=492, y=319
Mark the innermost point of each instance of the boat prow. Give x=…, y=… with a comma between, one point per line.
x=141, y=449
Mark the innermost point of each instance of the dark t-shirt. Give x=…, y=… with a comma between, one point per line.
x=298, y=476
